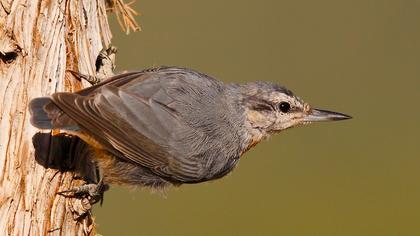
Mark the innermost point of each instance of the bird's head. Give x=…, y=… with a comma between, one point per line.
x=271, y=108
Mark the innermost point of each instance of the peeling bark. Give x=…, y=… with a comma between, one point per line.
x=39, y=41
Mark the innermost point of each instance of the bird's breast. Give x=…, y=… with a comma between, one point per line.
x=253, y=140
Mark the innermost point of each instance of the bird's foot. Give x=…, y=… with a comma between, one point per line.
x=93, y=80
x=105, y=65
x=93, y=192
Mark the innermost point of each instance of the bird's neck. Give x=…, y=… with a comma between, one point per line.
x=255, y=133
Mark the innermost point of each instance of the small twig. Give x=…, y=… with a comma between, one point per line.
x=125, y=15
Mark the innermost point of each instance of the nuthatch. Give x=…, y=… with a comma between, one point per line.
x=169, y=126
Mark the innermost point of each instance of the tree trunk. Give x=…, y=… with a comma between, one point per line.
x=39, y=41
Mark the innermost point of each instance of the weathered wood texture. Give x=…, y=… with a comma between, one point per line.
x=39, y=41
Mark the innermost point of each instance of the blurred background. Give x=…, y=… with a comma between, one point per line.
x=357, y=177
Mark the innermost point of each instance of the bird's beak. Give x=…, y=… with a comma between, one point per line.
x=323, y=115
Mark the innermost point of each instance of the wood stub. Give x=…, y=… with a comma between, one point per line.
x=39, y=41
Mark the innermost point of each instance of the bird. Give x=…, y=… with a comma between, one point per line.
x=168, y=126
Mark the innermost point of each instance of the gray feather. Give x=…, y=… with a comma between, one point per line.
x=168, y=120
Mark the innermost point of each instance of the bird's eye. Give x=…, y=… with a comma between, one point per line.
x=284, y=107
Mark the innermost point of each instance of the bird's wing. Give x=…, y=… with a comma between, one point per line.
x=116, y=80
x=139, y=123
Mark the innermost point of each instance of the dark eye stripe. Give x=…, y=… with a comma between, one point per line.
x=262, y=107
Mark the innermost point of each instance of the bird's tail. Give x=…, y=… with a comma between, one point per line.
x=40, y=118
x=46, y=115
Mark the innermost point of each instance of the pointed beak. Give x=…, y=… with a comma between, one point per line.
x=323, y=115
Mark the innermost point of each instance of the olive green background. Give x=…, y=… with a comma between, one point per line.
x=357, y=177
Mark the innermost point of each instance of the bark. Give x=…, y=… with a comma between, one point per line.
x=39, y=41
